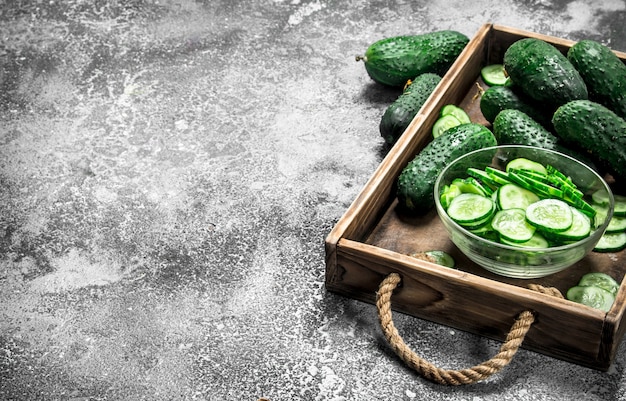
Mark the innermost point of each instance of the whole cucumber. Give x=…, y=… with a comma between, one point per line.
x=416, y=182
x=401, y=112
x=597, y=129
x=543, y=72
x=498, y=98
x=603, y=72
x=393, y=61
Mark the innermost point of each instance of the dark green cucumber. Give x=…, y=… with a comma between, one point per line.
x=498, y=98
x=591, y=126
x=401, y=112
x=514, y=127
x=543, y=72
x=417, y=180
x=395, y=60
x=603, y=72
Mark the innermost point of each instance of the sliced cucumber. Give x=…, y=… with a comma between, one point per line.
x=620, y=205
x=601, y=197
x=611, y=242
x=435, y=256
x=483, y=176
x=442, y=258
x=539, y=187
x=592, y=296
x=494, y=75
x=512, y=226
x=602, y=280
x=498, y=176
x=536, y=241
x=580, y=228
x=457, y=112
x=443, y=124
x=471, y=185
x=469, y=209
x=550, y=215
x=522, y=163
x=617, y=224
x=511, y=196
x=448, y=193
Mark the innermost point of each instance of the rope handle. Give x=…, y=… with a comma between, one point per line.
x=479, y=372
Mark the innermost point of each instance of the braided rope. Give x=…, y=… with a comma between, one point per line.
x=513, y=341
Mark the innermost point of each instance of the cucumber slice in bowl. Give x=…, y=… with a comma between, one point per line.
x=512, y=226
x=512, y=196
x=550, y=215
x=580, y=228
x=467, y=209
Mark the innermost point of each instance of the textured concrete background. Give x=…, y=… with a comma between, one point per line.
x=168, y=172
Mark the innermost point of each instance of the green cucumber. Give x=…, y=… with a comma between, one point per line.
x=611, y=242
x=603, y=72
x=580, y=228
x=393, y=61
x=550, y=215
x=416, y=182
x=543, y=72
x=601, y=197
x=592, y=296
x=515, y=127
x=602, y=280
x=456, y=111
x=512, y=225
x=443, y=124
x=512, y=196
x=494, y=75
x=467, y=209
x=589, y=125
x=498, y=98
x=526, y=165
x=401, y=112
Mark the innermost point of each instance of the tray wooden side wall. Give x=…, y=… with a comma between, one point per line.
x=369, y=242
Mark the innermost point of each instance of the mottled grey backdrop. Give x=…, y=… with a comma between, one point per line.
x=169, y=170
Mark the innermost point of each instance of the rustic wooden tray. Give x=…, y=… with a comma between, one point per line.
x=371, y=241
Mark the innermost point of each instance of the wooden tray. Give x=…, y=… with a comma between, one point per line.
x=371, y=240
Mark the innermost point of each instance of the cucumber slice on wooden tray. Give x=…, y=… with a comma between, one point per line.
x=592, y=296
x=611, y=242
x=494, y=75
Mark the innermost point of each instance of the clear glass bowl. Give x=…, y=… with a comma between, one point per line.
x=513, y=261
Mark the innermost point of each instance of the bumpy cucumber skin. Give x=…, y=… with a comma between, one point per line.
x=514, y=127
x=597, y=129
x=416, y=182
x=498, y=98
x=393, y=61
x=401, y=112
x=603, y=72
x=543, y=72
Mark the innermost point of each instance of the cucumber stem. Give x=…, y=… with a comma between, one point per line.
x=361, y=58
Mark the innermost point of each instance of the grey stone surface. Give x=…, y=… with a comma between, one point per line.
x=169, y=170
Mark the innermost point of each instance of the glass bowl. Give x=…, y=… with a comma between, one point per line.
x=512, y=261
